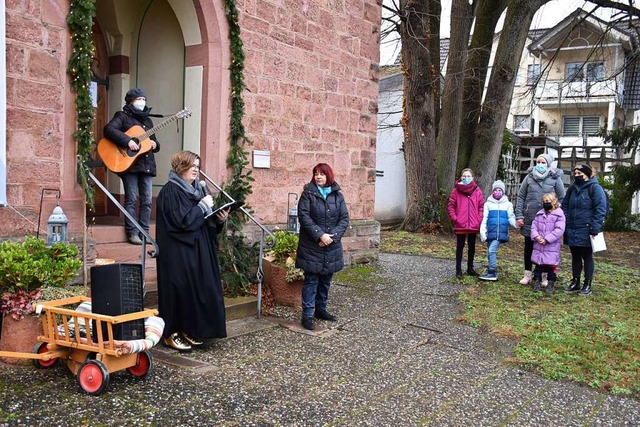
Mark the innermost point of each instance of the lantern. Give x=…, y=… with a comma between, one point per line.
x=293, y=226
x=57, y=226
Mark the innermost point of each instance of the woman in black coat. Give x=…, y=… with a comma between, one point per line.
x=324, y=219
x=585, y=207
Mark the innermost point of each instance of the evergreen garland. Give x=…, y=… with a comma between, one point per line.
x=80, y=23
x=237, y=258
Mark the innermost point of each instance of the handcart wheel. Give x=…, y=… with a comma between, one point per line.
x=40, y=348
x=143, y=366
x=93, y=377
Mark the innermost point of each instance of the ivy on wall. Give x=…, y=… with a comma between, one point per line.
x=80, y=23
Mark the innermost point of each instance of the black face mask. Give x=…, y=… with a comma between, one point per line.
x=579, y=178
x=547, y=206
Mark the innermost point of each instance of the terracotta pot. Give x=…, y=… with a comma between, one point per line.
x=19, y=336
x=284, y=293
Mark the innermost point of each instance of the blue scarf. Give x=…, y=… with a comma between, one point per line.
x=324, y=191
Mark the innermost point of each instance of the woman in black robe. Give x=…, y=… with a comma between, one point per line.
x=190, y=296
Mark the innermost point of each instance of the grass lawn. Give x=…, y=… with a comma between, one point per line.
x=593, y=340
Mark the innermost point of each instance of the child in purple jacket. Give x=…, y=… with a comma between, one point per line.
x=546, y=232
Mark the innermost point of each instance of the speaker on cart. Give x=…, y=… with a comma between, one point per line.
x=117, y=289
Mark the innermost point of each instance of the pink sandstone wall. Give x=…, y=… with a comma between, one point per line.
x=312, y=79
x=38, y=130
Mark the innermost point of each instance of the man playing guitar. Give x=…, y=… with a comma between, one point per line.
x=137, y=179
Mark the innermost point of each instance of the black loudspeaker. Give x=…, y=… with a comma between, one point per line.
x=117, y=289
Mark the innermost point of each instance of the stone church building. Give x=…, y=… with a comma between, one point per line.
x=311, y=72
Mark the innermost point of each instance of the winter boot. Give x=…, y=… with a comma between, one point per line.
x=472, y=272
x=307, y=323
x=586, y=288
x=574, y=286
x=551, y=286
x=537, y=284
x=458, y=272
x=545, y=282
x=527, y=278
x=489, y=275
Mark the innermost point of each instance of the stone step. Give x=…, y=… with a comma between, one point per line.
x=236, y=308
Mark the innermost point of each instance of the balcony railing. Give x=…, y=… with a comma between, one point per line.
x=582, y=91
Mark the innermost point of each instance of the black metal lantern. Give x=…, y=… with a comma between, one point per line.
x=57, y=226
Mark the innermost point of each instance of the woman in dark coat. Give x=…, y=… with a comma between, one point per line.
x=190, y=296
x=324, y=219
x=541, y=179
x=585, y=209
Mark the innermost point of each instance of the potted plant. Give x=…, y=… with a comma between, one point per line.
x=280, y=272
x=25, y=269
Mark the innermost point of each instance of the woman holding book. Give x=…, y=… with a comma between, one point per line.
x=189, y=287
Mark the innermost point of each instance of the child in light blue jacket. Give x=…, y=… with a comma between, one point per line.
x=498, y=215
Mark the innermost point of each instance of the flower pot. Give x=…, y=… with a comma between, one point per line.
x=19, y=336
x=284, y=293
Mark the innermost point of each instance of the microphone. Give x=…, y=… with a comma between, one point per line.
x=205, y=190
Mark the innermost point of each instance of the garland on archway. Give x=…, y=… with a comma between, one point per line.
x=80, y=23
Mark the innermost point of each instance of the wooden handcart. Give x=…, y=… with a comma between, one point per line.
x=89, y=355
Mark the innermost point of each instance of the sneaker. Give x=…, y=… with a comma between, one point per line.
x=307, y=323
x=134, y=239
x=174, y=341
x=324, y=315
x=489, y=275
x=194, y=342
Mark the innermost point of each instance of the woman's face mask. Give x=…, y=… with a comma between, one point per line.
x=541, y=167
x=466, y=180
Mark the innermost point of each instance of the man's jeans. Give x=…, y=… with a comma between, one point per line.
x=315, y=292
x=492, y=252
x=137, y=184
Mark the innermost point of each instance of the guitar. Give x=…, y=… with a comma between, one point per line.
x=119, y=159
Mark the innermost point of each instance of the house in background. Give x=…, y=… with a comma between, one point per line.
x=573, y=79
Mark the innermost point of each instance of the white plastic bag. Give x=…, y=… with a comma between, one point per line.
x=597, y=243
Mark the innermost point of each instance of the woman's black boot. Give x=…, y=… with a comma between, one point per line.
x=458, y=272
x=574, y=286
x=586, y=288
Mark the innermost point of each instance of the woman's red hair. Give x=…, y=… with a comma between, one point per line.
x=326, y=170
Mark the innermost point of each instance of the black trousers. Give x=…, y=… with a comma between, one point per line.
x=460, y=240
x=582, y=256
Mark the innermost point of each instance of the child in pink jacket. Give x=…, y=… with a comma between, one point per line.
x=546, y=232
x=466, y=204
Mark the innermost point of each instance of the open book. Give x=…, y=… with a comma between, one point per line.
x=232, y=206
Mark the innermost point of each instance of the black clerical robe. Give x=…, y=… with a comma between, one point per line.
x=189, y=288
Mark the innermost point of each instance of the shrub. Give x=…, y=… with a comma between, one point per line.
x=284, y=254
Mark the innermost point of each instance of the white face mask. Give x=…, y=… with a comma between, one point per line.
x=139, y=104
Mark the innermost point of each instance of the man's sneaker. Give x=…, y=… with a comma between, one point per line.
x=174, y=341
x=489, y=275
x=134, y=239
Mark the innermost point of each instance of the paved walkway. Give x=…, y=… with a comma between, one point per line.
x=397, y=357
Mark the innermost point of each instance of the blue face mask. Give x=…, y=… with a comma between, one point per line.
x=541, y=168
x=466, y=180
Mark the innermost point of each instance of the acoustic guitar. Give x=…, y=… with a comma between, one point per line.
x=119, y=159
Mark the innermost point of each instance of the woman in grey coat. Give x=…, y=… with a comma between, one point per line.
x=540, y=179
x=324, y=219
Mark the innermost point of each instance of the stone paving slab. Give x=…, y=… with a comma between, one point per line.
x=396, y=357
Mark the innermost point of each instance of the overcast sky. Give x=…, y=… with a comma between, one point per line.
x=548, y=15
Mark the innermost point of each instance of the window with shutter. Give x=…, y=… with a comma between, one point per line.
x=571, y=126
x=590, y=125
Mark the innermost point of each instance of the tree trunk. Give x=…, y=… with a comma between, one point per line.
x=421, y=81
x=449, y=129
x=485, y=155
x=487, y=15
